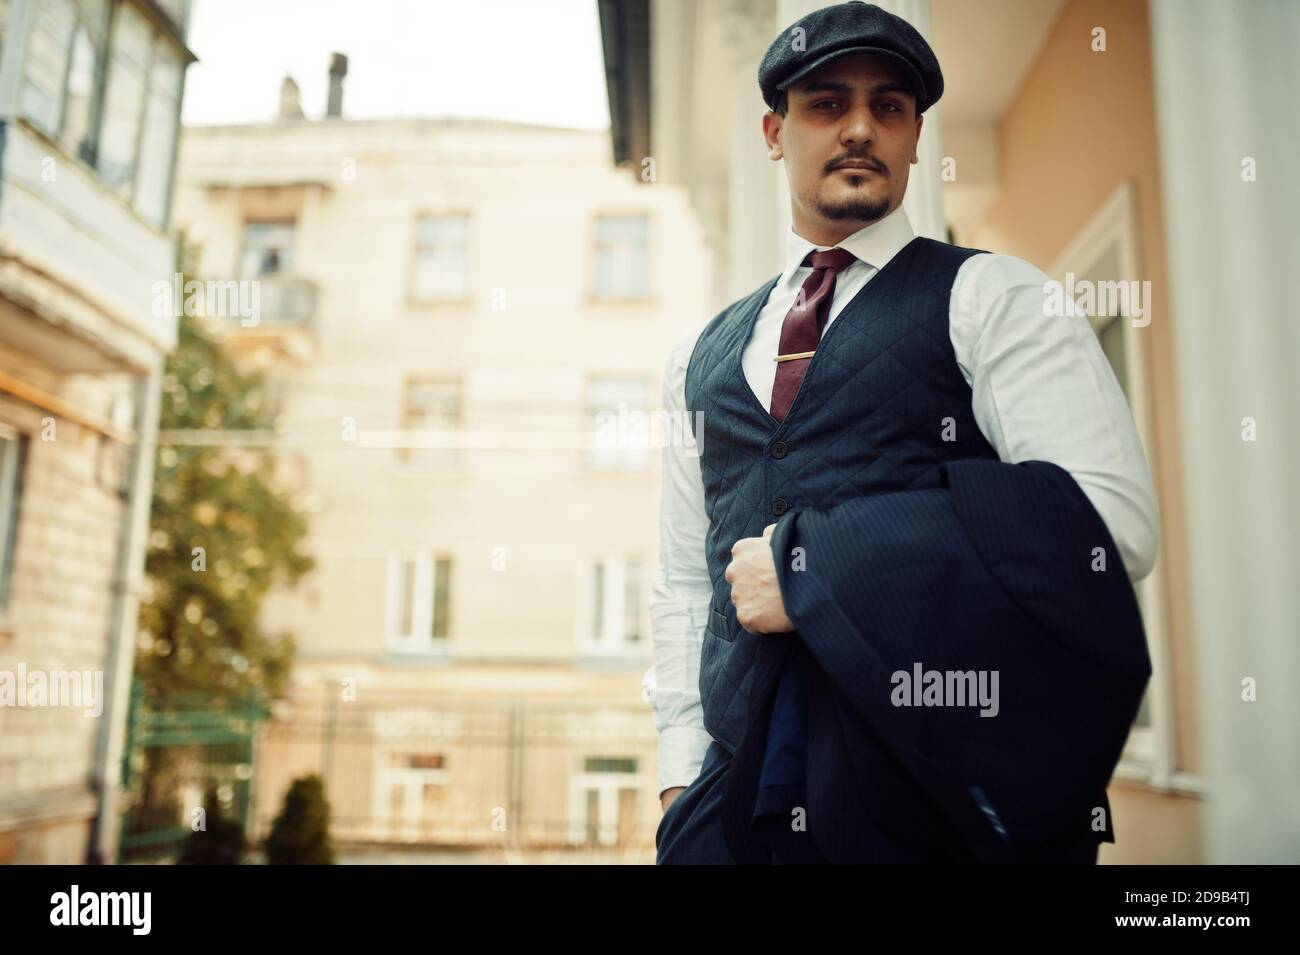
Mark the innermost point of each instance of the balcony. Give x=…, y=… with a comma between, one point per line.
x=77, y=264
x=271, y=316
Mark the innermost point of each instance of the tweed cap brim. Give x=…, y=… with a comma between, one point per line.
x=817, y=38
x=913, y=75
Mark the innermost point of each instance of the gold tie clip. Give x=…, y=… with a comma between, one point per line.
x=794, y=355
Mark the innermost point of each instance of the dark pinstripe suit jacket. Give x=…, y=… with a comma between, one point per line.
x=984, y=570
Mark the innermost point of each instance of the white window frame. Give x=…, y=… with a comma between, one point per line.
x=606, y=637
x=411, y=455
x=413, y=825
x=23, y=17
x=421, y=639
x=21, y=20
x=621, y=262
x=408, y=730
x=1150, y=755
x=607, y=786
x=464, y=292
x=290, y=224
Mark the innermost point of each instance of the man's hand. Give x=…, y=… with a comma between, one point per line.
x=754, y=587
x=666, y=799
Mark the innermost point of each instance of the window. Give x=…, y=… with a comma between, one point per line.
x=113, y=457
x=64, y=49
x=268, y=249
x=1106, y=250
x=610, y=764
x=603, y=801
x=158, y=142
x=13, y=452
x=632, y=601
x=440, y=270
x=430, y=404
x=412, y=791
x=104, y=84
x=614, y=596
x=1109, y=329
x=619, y=424
x=441, y=596
x=419, y=601
x=124, y=99
x=621, y=257
x=80, y=99
x=410, y=780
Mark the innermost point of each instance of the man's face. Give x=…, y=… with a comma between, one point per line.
x=855, y=110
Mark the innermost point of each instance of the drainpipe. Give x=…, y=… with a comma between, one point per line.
x=119, y=664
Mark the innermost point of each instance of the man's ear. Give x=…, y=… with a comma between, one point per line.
x=919, y=121
x=772, y=134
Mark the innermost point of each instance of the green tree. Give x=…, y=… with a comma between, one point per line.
x=300, y=834
x=200, y=631
x=222, y=534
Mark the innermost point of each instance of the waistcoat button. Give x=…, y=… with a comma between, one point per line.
x=779, y=449
x=779, y=506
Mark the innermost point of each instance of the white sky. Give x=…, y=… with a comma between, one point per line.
x=536, y=61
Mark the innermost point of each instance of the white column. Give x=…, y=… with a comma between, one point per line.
x=923, y=202
x=753, y=188
x=1226, y=80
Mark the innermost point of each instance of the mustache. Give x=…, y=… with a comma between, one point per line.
x=874, y=163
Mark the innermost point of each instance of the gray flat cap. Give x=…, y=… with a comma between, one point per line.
x=853, y=27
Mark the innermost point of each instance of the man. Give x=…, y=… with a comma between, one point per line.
x=944, y=354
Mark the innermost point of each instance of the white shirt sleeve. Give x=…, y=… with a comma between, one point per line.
x=1043, y=390
x=682, y=592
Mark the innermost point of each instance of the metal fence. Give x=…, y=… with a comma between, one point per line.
x=179, y=747
x=409, y=769
x=403, y=770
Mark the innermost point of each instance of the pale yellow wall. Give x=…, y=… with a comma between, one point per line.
x=533, y=195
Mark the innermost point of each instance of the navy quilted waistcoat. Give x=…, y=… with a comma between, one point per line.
x=882, y=403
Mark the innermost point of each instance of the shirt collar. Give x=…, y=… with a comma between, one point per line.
x=874, y=244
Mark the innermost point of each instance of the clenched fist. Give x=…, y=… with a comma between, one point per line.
x=754, y=587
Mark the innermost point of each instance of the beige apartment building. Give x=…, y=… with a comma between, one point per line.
x=1088, y=137
x=466, y=324
x=90, y=94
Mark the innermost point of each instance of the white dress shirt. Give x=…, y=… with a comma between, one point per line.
x=1042, y=389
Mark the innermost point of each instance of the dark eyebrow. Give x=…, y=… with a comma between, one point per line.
x=831, y=86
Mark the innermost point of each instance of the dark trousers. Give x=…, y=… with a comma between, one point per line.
x=690, y=832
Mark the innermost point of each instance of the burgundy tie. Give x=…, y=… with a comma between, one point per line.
x=802, y=328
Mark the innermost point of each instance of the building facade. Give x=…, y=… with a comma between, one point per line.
x=90, y=94
x=465, y=323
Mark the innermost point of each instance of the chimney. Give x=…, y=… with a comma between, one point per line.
x=290, y=100
x=338, y=71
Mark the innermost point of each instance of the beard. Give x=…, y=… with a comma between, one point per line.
x=863, y=208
